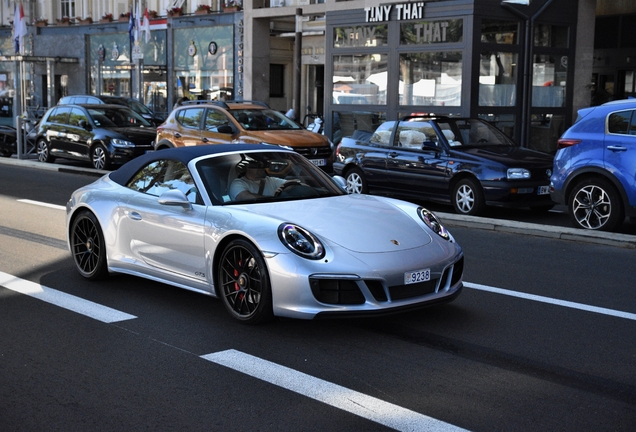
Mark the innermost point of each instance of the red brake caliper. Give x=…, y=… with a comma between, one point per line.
x=236, y=284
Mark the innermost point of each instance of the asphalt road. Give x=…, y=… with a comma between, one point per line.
x=542, y=338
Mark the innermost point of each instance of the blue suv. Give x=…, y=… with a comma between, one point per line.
x=595, y=166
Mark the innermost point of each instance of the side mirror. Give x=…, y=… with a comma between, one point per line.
x=341, y=182
x=84, y=125
x=225, y=129
x=430, y=145
x=175, y=197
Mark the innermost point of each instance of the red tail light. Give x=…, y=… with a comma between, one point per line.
x=564, y=142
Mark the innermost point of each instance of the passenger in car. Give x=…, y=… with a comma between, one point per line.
x=254, y=183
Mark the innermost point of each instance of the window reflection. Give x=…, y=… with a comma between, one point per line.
x=431, y=78
x=360, y=79
x=500, y=32
x=497, y=79
x=549, y=75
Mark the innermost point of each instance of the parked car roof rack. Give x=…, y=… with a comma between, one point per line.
x=261, y=103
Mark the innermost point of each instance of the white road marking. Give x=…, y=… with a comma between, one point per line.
x=42, y=204
x=63, y=300
x=557, y=302
x=368, y=407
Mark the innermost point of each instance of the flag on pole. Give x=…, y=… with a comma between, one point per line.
x=131, y=27
x=19, y=28
x=145, y=27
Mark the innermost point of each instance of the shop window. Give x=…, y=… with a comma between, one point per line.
x=500, y=32
x=355, y=123
x=545, y=130
x=360, y=36
x=546, y=35
x=497, y=79
x=276, y=80
x=360, y=79
x=504, y=122
x=549, y=80
x=431, y=78
x=628, y=34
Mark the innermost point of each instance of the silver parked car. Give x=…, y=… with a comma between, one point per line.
x=266, y=231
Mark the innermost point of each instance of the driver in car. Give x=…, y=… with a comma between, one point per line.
x=255, y=183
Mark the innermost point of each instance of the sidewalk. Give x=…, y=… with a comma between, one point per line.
x=449, y=219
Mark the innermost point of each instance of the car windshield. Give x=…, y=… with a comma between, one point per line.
x=263, y=177
x=472, y=132
x=264, y=119
x=117, y=117
x=138, y=107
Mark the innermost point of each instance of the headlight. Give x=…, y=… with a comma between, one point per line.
x=300, y=241
x=518, y=174
x=433, y=222
x=121, y=143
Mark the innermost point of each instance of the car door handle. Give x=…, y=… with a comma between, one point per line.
x=177, y=135
x=134, y=216
x=205, y=140
x=617, y=148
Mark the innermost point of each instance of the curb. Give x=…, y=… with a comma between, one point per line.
x=450, y=219
x=549, y=231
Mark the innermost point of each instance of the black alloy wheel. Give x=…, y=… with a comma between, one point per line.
x=468, y=197
x=244, y=284
x=88, y=246
x=595, y=204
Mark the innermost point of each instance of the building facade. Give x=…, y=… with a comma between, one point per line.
x=527, y=68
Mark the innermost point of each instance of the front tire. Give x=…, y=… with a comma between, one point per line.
x=88, y=246
x=100, y=158
x=356, y=183
x=595, y=204
x=44, y=151
x=244, y=285
x=468, y=197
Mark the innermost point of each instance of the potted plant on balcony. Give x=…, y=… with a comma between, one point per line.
x=64, y=21
x=106, y=18
x=40, y=22
x=203, y=9
x=84, y=21
x=152, y=14
x=175, y=12
x=232, y=5
x=124, y=16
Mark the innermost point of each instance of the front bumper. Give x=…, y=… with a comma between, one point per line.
x=516, y=194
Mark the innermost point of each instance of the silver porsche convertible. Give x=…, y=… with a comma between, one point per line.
x=265, y=231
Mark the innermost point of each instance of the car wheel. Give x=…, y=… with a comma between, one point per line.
x=468, y=197
x=44, y=151
x=356, y=183
x=595, y=204
x=244, y=284
x=100, y=158
x=88, y=246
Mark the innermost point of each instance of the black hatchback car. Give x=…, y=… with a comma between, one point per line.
x=102, y=134
x=467, y=162
x=154, y=118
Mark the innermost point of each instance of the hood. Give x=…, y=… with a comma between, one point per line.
x=141, y=136
x=290, y=138
x=510, y=155
x=360, y=223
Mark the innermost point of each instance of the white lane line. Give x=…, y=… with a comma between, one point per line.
x=368, y=407
x=42, y=204
x=63, y=300
x=557, y=302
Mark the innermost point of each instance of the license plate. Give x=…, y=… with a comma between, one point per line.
x=318, y=162
x=416, y=276
x=544, y=190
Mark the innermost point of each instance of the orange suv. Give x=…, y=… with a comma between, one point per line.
x=216, y=122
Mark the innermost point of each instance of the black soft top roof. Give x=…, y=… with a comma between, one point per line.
x=181, y=154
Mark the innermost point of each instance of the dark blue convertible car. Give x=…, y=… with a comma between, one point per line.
x=466, y=162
